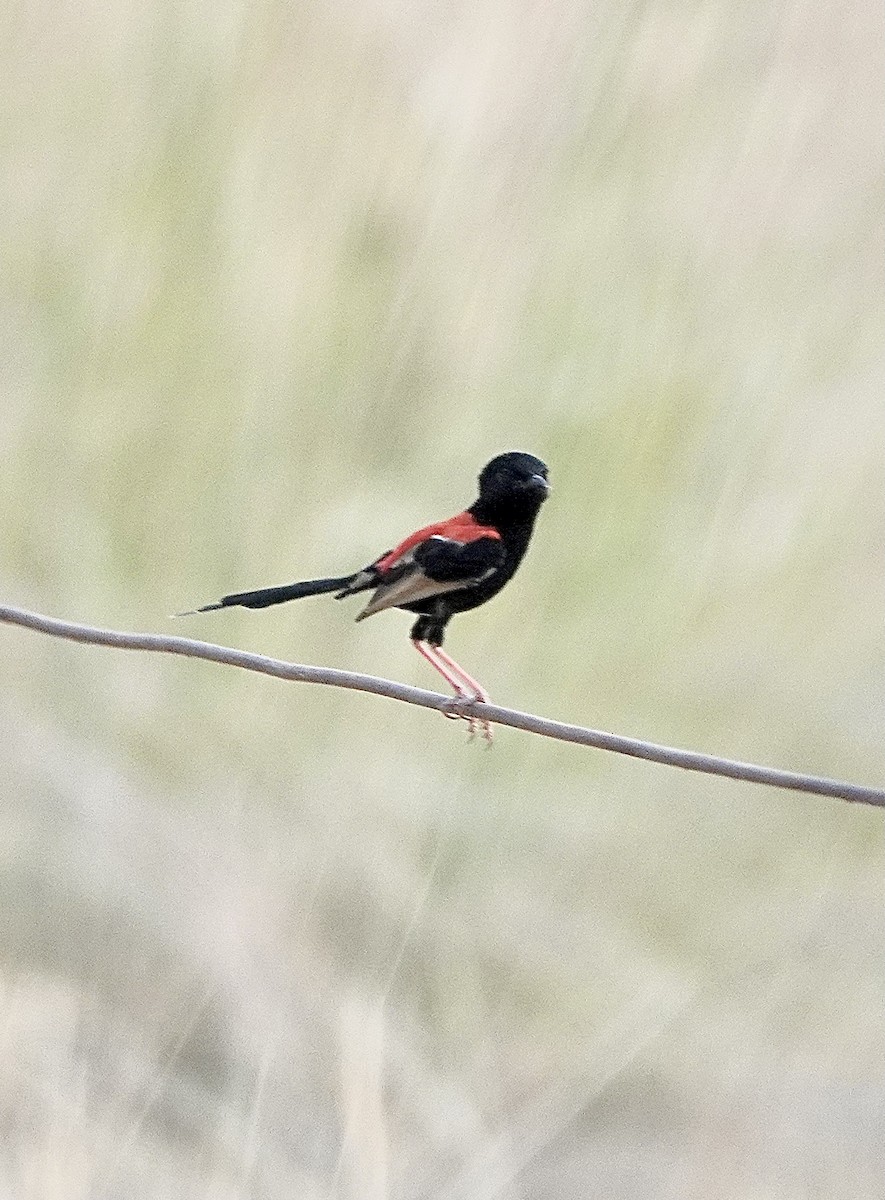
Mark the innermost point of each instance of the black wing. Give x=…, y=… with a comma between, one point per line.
x=434, y=567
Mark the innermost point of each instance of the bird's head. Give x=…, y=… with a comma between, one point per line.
x=513, y=484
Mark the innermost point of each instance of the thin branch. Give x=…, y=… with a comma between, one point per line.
x=670, y=756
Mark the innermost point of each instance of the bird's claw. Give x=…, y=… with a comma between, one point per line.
x=478, y=725
x=454, y=708
x=457, y=709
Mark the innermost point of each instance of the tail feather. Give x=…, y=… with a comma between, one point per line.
x=265, y=597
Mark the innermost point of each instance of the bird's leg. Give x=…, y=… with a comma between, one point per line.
x=431, y=653
x=477, y=689
x=477, y=724
x=464, y=686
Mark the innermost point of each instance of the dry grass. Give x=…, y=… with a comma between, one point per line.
x=277, y=280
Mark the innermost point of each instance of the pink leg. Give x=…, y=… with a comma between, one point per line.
x=464, y=686
x=430, y=653
x=476, y=688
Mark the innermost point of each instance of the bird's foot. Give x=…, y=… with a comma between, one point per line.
x=457, y=710
x=454, y=708
x=467, y=691
x=478, y=725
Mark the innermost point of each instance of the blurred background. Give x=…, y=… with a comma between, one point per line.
x=277, y=279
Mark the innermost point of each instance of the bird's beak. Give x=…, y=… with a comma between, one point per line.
x=538, y=483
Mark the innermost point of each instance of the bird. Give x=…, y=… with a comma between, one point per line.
x=440, y=570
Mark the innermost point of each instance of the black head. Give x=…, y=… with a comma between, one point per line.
x=512, y=485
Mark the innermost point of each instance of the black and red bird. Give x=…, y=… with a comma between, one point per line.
x=441, y=569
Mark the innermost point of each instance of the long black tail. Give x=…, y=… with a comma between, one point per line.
x=265, y=597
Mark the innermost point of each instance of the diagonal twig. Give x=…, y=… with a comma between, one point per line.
x=670, y=756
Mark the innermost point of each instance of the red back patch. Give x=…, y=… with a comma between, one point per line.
x=462, y=528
